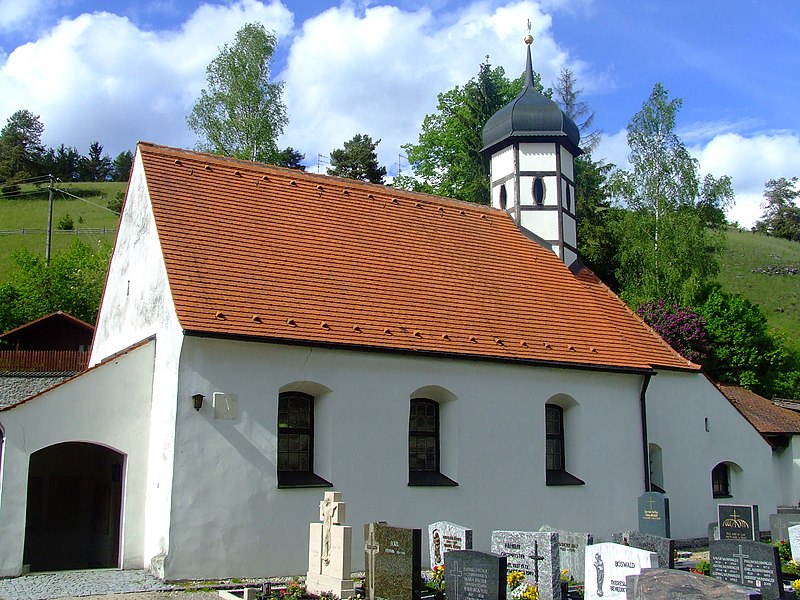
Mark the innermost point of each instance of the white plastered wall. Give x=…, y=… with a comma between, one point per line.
x=677, y=406
x=229, y=518
x=137, y=303
x=108, y=406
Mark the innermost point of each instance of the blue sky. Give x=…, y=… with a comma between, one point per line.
x=124, y=71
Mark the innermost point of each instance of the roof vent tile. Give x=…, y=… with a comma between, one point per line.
x=292, y=182
x=256, y=319
x=207, y=167
x=177, y=161
x=237, y=173
x=325, y=325
x=418, y=334
x=220, y=315
x=446, y=337
x=387, y=331
x=356, y=328
x=473, y=339
x=291, y=322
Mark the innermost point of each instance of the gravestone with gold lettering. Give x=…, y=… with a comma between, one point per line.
x=393, y=561
x=329, y=550
x=738, y=522
x=654, y=514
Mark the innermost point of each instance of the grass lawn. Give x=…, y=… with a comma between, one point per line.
x=777, y=295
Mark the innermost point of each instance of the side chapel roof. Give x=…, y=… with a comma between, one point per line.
x=261, y=252
x=763, y=414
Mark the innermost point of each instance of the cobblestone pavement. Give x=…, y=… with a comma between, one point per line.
x=41, y=586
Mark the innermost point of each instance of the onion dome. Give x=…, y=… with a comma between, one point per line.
x=530, y=117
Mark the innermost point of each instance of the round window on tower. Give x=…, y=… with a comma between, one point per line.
x=503, y=197
x=538, y=191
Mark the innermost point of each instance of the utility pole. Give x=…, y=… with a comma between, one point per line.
x=49, y=219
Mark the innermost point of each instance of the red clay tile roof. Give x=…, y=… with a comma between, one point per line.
x=762, y=414
x=259, y=251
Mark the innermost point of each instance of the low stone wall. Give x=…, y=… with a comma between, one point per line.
x=15, y=387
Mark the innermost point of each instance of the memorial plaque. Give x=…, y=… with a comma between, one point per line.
x=664, y=547
x=794, y=541
x=572, y=551
x=473, y=575
x=654, y=514
x=667, y=584
x=779, y=524
x=443, y=537
x=607, y=566
x=393, y=561
x=751, y=564
x=535, y=554
x=738, y=522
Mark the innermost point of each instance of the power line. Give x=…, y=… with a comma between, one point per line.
x=64, y=192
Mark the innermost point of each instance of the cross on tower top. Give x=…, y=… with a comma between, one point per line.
x=529, y=37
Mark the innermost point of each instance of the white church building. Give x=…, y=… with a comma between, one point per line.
x=267, y=334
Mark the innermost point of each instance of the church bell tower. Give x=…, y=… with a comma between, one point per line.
x=531, y=145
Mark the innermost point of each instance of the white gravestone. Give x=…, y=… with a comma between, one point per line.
x=607, y=566
x=794, y=541
x=444, y=536
x=329, y=548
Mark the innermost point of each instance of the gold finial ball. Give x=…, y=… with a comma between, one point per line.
x=529, y=39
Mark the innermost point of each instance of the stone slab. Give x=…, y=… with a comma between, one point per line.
x=751, y=564
x=713, y=532
x=794, y=541
x=572, y=551
x=607, y=567
x=535, y=554
x=665, y=584
x=738, y=522
x=664, y=547
x=654, y=514
x=393, y=561
x=444, y=536
x=779, y=525
x=473, y=575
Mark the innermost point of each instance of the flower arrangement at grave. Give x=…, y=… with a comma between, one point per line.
x=796, y=586
x=791, y=569
x=517, y=588
x=436, y=581
x=784, y=551
x=703, y=567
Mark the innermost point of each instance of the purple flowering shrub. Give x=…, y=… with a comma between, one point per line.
x=681, y=328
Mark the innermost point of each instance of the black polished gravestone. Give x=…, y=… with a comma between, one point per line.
x=654, y=514
x=664, y=547
x=668, y=584
x=474, y=575
x=738, y=522
x=751, y=564
x=393, y=562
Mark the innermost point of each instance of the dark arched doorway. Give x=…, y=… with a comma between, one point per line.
x=74, y=505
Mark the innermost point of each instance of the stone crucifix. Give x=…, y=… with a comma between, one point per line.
x=331, y=512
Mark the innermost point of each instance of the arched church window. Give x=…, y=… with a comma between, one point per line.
x=424, y=444
x=721, y=481
x=555, y=417
x=503, y=197
x=538, y=191
x=296, y=441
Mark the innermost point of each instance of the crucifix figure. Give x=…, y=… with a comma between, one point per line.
x=536, y=559
x=371, y=547
x=330, y=510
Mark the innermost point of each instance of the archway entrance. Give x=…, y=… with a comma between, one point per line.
x=74, y=507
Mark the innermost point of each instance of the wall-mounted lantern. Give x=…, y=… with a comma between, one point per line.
x=197, y=401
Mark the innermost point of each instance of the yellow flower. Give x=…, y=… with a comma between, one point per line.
x=796, y=585
x=514, y=579
x=531, y=593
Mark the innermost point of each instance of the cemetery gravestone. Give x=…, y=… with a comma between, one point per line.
x=713, y=532
x=664, y=547
x=572, y=551
x=473, y=575
x=666, y=584
x=794, y=541
x=748, y=563
x=779, y=523
x=329, y=550
x=443, y=537
x=654, y=514
x=738, y=522
x=607, y=566
x=393, y=560
x=535, y=554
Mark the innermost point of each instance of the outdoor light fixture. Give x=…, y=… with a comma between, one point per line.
x=197, y=400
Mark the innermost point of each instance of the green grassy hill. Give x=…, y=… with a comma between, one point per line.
x=759, y=267
x=28, y=212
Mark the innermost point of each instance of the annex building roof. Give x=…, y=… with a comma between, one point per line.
x=261, y=252
x=764, y=415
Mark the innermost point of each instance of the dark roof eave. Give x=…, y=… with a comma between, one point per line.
x=630, y=370
x=547, y=136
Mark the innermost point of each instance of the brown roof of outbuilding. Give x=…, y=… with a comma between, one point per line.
x=263, y=252
x=762, y=413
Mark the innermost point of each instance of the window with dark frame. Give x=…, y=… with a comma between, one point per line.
x=503, y=197
x=555, y=461
x=296, y=441
x=423, y=444
x=720, y=481
x=538, y=191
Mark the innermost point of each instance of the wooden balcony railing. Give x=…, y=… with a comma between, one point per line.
x=43, y=361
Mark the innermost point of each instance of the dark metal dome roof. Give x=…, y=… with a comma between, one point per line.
x=530, y=117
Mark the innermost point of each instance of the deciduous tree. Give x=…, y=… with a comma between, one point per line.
x=781, y=216
x=21, y=147
x=241, y=112
x=358, y=159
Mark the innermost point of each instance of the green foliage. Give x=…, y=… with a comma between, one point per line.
x=241, y=113
x=666, y=249
x=116, y=202
x=784, y=550
x=96, y=166
x=72, y=282
x=21, y=147
x=62, y=163
x=358, y=159
x=122, y=166
x=703, y=567
x=447, y=159
x=290, y=158
x=66, y=223
x=781, y=216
